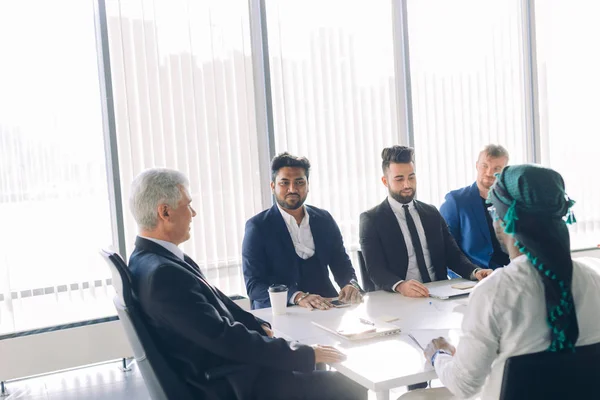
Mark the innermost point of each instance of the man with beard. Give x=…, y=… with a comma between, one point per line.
x=294, y=244
x=466, y=213
x=197, y=328
x=405, y=242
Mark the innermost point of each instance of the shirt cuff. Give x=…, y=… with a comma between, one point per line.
x=441, y=360
x=396, y=284
x=293, y=297
x=474, y=272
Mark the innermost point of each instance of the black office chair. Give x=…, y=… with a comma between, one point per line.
x=160, y=379
x=551, y=376
x=366, y=282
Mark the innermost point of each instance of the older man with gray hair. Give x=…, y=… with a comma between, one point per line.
x=199, y=328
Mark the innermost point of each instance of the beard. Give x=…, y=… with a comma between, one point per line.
x=403, y=199
x=290, y=206
x=487, y=183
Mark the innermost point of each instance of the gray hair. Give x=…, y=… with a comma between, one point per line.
x=152, y=188
x=494, y=151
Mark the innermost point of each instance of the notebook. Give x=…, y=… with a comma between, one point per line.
x=356, y=328
x=448, y=289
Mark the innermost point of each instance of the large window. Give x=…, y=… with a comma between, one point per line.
x=53, y=188
x=334, y=98
x=184, y=99
x=184, y=81
x=569, y=85
x=468, y=87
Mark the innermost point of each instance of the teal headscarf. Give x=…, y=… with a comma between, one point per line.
x=531, y=202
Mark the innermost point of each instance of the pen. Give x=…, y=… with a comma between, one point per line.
x=366, y=321
x=415, y=340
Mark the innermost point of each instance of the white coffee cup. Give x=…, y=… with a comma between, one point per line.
x=278, y=297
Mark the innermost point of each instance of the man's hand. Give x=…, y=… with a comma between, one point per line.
x=438, y=344
x=267, y=330
x=313, y=301
x=327, y=354
x=483, y=273
x=350, y=294
x=412, y=288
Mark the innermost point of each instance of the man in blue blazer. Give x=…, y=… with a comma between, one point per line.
x=198, y=328
x=294, y=244
x=465, y=212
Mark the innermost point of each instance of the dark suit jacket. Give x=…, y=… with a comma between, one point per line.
x=199, y=328
x=465, y=217
x=269, y=256
x=384, y=248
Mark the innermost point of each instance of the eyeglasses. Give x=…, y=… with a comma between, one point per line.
x=492, y=211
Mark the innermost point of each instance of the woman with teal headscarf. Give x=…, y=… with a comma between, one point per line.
x=543, y=300
x=531, y=205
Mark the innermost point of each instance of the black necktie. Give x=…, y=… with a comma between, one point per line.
x=414, y=235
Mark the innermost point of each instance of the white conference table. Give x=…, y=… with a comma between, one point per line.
x=385, y=363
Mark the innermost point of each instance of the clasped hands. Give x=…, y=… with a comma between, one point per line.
x=413, y=288
x=348, y=294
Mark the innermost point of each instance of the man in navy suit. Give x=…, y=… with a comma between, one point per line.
x=198, y=328
x=466, y=213
x=294, y=244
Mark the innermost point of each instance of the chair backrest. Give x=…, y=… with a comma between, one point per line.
x=366, y=282
x=160, y=379
x=549, y=375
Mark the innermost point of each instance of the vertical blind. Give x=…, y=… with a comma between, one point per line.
x=569, y=84
x=53, y=188
x=184, y=99
x=333, y=87
x=467, y=79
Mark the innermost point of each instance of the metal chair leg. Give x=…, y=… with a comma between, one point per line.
x=126, y=367
x=3, y=391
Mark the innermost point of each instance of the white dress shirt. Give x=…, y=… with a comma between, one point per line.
x=413, y=268
x=172, y=247
x=506, y=317
x=301, y=235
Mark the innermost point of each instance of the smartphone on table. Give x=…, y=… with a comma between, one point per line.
x=338, y=303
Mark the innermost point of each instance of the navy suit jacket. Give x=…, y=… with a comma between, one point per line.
x=466, y=219
x=269, y=256
x=384, y=248
x=198, y=328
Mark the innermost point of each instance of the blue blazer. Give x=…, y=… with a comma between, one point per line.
x=269, y=256
x=466, y=219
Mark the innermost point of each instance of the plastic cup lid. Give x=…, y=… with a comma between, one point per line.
x=277, y=288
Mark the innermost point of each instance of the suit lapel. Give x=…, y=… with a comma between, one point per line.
x=193, y=264
x=280, y=229
x=188, y=264
x=317, y=231
x=391, y=230
x=429, y=223
x=478, y=213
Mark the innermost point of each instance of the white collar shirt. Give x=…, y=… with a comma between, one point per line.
x=413, y=268
x=301, y=235
x=506, y=317
x=172, y=247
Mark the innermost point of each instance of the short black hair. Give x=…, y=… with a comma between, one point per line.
x=396, y=154
x=285, y=159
